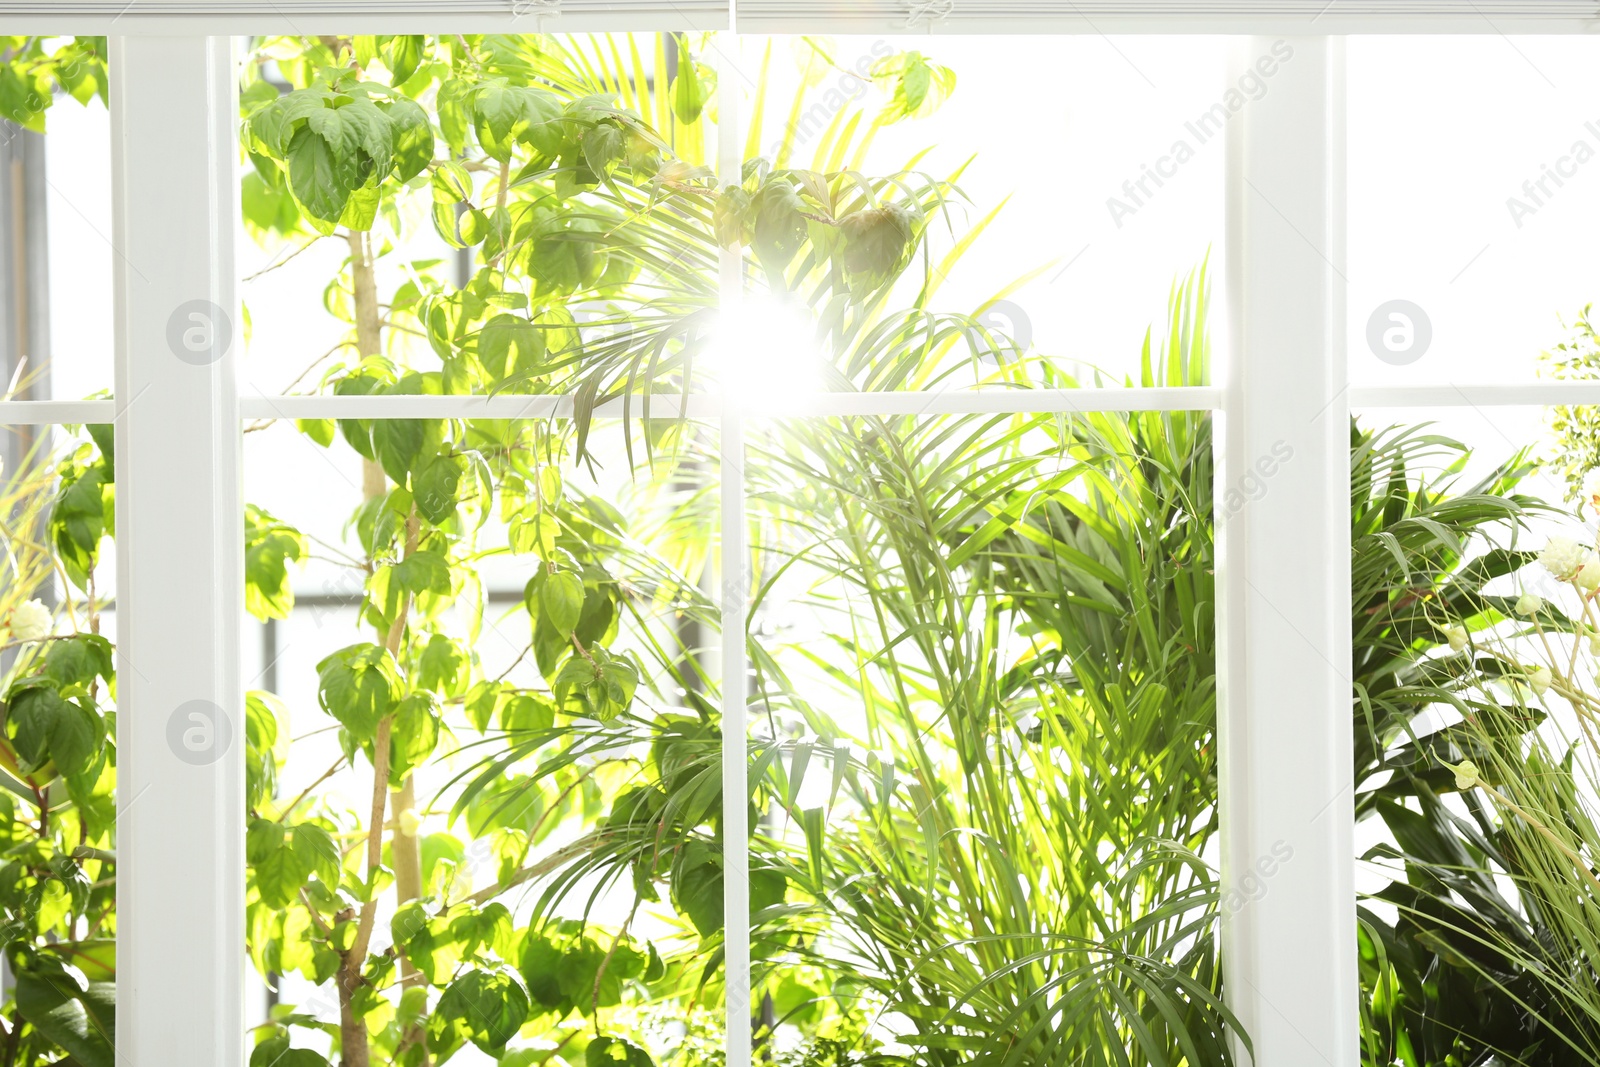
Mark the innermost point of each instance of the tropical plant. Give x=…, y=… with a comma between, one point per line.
x=577, y=180
x=1009, y=611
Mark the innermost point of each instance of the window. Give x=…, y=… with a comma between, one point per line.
x=713, y=583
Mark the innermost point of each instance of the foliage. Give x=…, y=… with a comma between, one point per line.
x=1463, y=955
x=1016, y=603
x=33, y=68
x=1575, y=430
x=57, y=760
x=982, y=780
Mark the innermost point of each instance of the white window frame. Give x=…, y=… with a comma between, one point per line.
x=1284, y=626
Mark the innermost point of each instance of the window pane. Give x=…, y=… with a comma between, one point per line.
x=536, y=631
x=1473, y=619
x=1058, y=187
x=55, y=180
x=983, y=728
x=552, y=232
x=58, y=799
x=1469, y=174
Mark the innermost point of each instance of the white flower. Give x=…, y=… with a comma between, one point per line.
x=1588, y=576
x=1562, y=557
x=1456, y=634
x=30, y=621
x=1467, y=774
x=1539, y=680
x=1528, y=604
x=410, y=822
x=1591, y=489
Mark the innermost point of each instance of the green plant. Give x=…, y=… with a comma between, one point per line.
x=596, y=233
x=1013, y=616
x=57, y=759
x=1460, y=963
x=32, y=68
x=1575, y=430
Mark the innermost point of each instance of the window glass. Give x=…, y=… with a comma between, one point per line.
x=1471, y=172
x=1055, y=225
x=983, y=726
x=537, y=628
x=58, y=800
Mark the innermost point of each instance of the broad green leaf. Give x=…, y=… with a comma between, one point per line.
x=359, y=685
x=485, y=1007
x=561, y=601
x=81, y=1021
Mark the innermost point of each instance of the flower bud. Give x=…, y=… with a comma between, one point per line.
x=1588, y=576
x=1539, y=680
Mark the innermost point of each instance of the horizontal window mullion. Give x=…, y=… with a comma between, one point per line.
x=55, y=412
x=1450, y=395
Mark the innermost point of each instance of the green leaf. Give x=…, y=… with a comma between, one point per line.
x=603, y=147
x=688, y=96
x=540, y=966
x=269, y=547
x=584, y=982
x=510, y=345
x=498, y=116
x=81, y=1021
x=44, y=726
x=78, y=660
x=324, y=174
x=413, y=736
x=485, y=1007
x=452, y=104
x=275, y=1052
x=403, y=54
x=75, y=738
x=697, y=887
x=413, y=139
x=481, y=703
x=444, y=667
x=280, y=873
x=545, y=126
x=436, y=486
x=397, y=444
x=424, y=571
x=610, y=1051
x=78, y=520
x=525, y=712
x=561, y=601
x=316, y=849
x=359, y=685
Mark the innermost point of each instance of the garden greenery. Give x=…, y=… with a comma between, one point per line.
x=982, y=758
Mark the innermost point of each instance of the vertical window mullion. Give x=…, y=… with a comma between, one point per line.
x=735, y=665
x=180, y=739
x=1282, y=492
